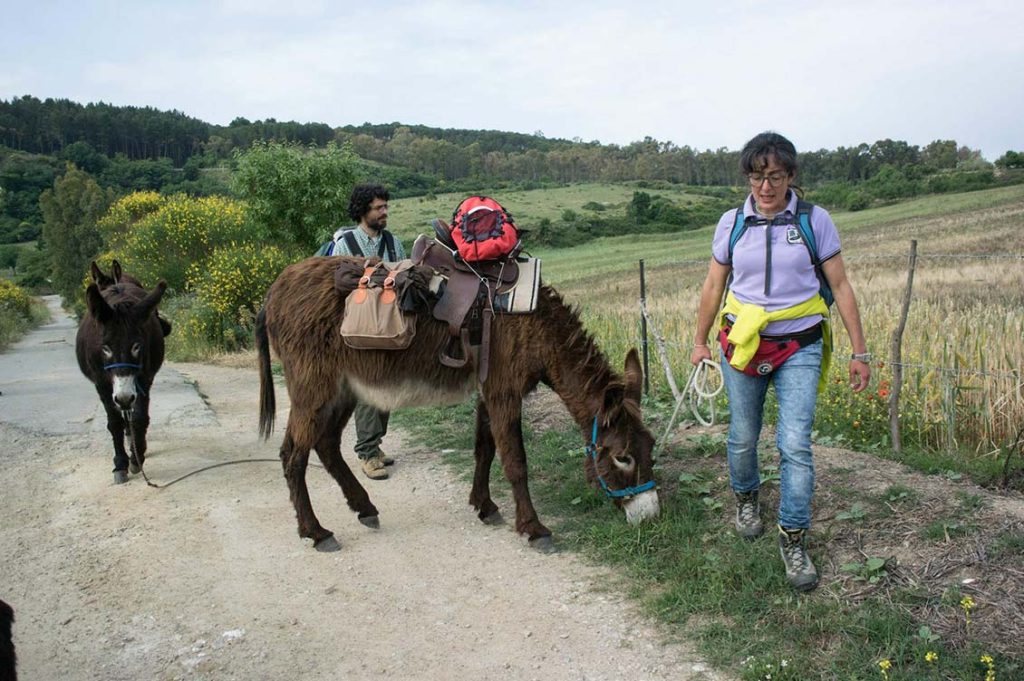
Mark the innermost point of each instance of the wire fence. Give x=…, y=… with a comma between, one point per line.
x=689, y=262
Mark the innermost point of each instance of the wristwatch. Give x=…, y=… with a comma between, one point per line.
x=860, y=357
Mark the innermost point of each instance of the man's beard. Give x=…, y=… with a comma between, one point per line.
x=378, y=225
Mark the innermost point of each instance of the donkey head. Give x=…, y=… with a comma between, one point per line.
x=122, y=319
x=620, y=452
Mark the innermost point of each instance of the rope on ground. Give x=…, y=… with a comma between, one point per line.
x=211, y=467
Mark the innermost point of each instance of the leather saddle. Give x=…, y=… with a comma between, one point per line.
x=465, y=295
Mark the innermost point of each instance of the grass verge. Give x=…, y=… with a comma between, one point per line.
x=703, y=583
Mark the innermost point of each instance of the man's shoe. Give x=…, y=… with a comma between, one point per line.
x=800, y=570
x=374, y=469
x=384, y=458
x=748, y=515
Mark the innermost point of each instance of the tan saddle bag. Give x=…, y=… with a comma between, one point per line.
x=373, y=319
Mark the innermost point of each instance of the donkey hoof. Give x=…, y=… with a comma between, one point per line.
x=327, y=545
x=120, y=477
x=542, y=544
x=493, y=519
x=134, y=467
x=371, y=521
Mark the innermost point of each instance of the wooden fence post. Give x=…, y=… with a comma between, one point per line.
x=896, y=353
x=643, y=329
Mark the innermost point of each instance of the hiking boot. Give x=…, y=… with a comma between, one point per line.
x=384, y=458
x=748, y=515
x=800, y=570
x=374, y=468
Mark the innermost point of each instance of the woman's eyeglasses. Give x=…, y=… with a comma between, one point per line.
x=774, y=179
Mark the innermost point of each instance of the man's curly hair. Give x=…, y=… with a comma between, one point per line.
x=362, y=196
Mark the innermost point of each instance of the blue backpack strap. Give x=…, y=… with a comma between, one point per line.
x=803, y=211
x=739, y=226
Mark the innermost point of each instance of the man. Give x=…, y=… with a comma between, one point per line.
x=368, y=206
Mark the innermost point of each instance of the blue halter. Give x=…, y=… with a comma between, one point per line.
x=121, y=365
x=591, y=450
x=128, y=365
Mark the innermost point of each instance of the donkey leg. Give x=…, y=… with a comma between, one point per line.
x=328, y=448
x=115, y=425
x=294, y=459
x=507, y=428
x=483, y=451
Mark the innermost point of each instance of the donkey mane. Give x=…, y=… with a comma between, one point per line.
x=574, y=341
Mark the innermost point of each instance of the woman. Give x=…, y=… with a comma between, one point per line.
x=774, y=330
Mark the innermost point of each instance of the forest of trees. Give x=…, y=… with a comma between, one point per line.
x=128, y=148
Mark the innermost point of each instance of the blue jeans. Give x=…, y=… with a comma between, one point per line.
x=796, y=390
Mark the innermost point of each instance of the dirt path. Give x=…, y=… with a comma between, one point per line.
x=207, y=579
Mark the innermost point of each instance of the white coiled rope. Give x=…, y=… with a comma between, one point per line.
x=703, y=386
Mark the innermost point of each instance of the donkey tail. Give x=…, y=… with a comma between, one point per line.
x=268, y=406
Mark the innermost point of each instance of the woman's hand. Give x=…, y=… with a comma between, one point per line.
x=700, y=353
x=860, y=375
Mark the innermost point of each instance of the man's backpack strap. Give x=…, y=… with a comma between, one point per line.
x=350, y=240
x=387, y=243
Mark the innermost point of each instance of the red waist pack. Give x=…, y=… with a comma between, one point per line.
x=772, y=351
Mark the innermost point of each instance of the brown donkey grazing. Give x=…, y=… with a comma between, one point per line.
x=120, y=347
x=326, y=378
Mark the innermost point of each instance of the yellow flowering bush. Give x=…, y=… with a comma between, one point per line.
x=184, y=231
x=229, y=287
x=116, y=224
x=14, y=300
x=236, y=277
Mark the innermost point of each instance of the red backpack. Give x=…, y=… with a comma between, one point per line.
x=483, y=230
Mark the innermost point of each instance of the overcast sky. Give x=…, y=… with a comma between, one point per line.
x=705, y=74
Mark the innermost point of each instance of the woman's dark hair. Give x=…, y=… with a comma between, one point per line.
x=758, y=151
x=362, y=196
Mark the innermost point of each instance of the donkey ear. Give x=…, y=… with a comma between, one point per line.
x=152, y=299
x=634, y=374
x=116, y=271
x=612, y=404
x=96, y=305
x=95, y=273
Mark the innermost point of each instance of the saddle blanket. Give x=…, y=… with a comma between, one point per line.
x=522, y=297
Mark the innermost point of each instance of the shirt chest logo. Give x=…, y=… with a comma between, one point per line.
x=793, y=235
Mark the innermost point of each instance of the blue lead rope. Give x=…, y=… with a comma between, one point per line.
x=591, y=450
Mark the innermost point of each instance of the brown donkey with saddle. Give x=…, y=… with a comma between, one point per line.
x=491, y=327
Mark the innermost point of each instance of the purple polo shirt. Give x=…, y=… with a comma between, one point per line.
x=792, y=277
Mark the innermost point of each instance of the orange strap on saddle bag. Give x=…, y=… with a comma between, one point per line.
x=373, y=319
